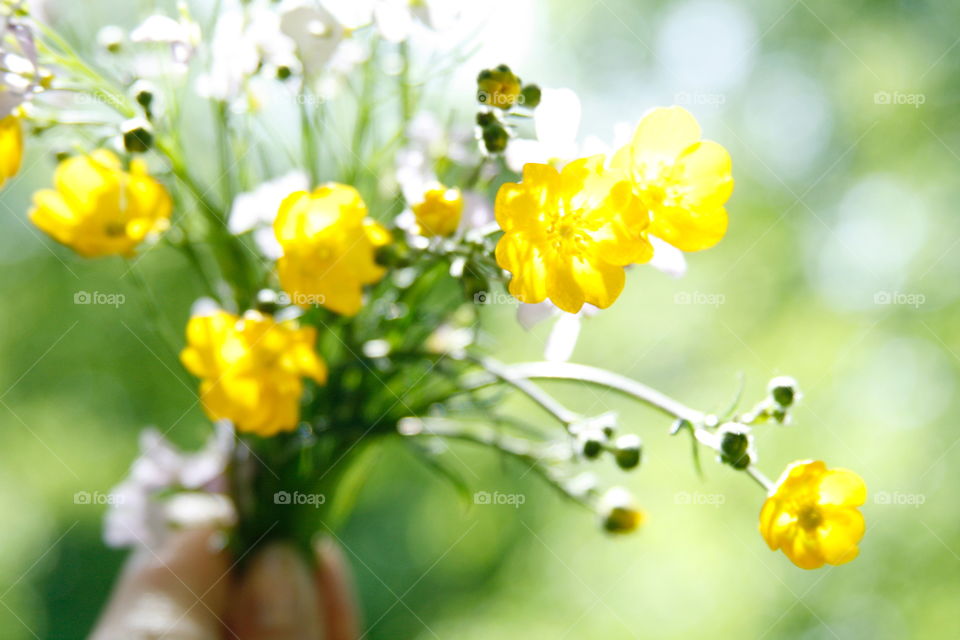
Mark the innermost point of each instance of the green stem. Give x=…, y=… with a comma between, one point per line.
x=508, y=375
x=609, y=380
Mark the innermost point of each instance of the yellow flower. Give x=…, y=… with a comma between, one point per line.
x=438, y=214
x=11, y=147
x=328, y=248
x=683, y=181
x=569, y=234
x=98, y=209
x=812, y=514
x=252, y=368
x=498, y=87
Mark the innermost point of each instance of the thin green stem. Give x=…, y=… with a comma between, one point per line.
x=508, y=375
x=609, y=380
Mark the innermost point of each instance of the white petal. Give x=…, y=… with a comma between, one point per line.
x=530, y=315
x=557, y=118
x=394, y=20
x=563, y=338
x=667, y=258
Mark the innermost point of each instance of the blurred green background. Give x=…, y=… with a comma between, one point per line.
x=840, y=268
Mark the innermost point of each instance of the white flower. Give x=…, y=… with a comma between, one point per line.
x=396, y=20
x=141, y=511
x=182, y=35
x=256, y=210
x=244, y=41
x=556, y=121
x=19, y=73
x=315, y=31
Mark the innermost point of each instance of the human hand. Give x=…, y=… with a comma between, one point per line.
x=189, y=590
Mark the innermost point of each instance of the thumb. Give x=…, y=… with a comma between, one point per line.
x=178, y=591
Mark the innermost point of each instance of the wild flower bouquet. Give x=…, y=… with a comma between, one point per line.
x=347, y=270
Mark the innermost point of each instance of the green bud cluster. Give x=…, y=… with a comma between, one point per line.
x=500, y=91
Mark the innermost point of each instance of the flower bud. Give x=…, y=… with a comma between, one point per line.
x=735, y=445
x=618, y=512
x=530, y=96
x=498, y=87
x=591, y=443
x=111, y=38
x=143, y=93
x=495, y=138
x=784, y=391
x=137, y=136
x=627, y=451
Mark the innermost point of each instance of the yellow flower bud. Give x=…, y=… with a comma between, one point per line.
x=498, y=87
x=98, y=209
x=252, y=368
x=329, y=246
x=812, y=514
x=11, y=147
x=438, y=214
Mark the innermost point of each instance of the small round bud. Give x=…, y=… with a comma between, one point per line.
x=735, y=445
x=269, y=301
x=495, y=138
x=591, y=443
x=784, y=391
x=618, y=512
x=486, y=118
x=284, y=72
x=137, y=136
x=111, y=38
x=143, y=93
x=628, y=450
x=530, y=96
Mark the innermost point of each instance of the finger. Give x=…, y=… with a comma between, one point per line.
x=335, y=587
x=276, y=599
x=177, y=591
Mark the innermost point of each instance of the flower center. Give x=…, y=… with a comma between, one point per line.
x=567, y=233
x=809, y=517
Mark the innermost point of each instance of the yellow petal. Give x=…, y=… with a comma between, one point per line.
x=842, y=487
x=838, y=536
x=689, y=230
x=11, y=147
x=706, y=168
x=664, y=132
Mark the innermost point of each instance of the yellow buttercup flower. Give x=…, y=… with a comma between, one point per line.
x=252, y=368
x=438, y=214
x=568, y=234
x=812, y=514
x=683, y=181
x=11, y=147
x=328, y=248
x=98, y=209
